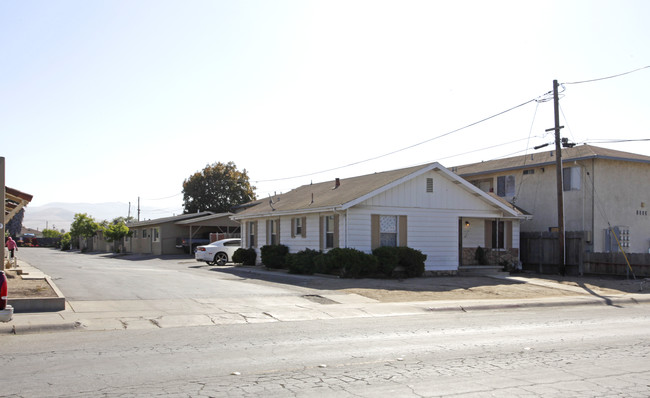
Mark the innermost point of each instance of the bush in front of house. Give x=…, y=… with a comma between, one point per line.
x=412, y=261
x=480, y=256
x=244, y=256
x=303, y=261
x=274, y=256
x=388, y=259
x=409, y=261
x=347, y=263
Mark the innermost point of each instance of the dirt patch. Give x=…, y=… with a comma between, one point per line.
x=23, y=288
x=472, y=288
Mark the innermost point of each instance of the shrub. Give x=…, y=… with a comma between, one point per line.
x=303, y=261
x=244, y=256
x=274, y=256
x=66, y=241
x=412, y=261
x=347, y=263
x=388, y=259
x=480, y=256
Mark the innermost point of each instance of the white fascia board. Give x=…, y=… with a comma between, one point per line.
x=424, y=169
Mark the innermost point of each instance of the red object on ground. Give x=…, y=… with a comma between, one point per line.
x=3, y=290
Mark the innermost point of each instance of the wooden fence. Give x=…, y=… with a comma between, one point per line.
x=540, y=253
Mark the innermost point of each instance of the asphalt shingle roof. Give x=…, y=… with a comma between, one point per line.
x=580, y=152
x=325, y=195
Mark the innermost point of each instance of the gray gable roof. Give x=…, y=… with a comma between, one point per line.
x=163, y=220
x=536, y=159
x=328, y=195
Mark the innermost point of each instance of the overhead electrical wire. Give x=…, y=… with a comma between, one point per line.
x=404, y=148
x=608, y=77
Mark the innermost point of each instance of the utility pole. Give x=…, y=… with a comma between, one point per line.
x=138, y=208
x=560, y=185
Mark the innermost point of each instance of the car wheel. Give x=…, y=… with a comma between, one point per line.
x=220, y=258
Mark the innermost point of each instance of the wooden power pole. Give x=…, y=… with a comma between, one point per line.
x=560, y=185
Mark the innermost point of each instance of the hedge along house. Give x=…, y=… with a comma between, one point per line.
x=427, y=208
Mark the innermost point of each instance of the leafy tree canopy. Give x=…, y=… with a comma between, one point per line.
x=51, y=233
x=115, y=232
x=83, y=226
x=217, y=188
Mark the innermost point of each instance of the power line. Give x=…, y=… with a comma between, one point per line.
x=166, y=197
x=405, y=148
x=609, y=77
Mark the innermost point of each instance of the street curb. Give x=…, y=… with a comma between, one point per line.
x=40, y=328
x=609, y=301
x=41, y=304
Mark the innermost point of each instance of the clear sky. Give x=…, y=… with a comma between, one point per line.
x=105, y=101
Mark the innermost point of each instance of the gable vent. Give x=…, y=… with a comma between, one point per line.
x=429, y=185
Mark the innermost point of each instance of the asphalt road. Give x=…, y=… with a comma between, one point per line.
x=560, y=352
x=105, y=277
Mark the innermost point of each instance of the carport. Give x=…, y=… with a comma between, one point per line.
x=221, y=226
x=14, y=200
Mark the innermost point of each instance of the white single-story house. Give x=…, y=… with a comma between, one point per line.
x=425, y=207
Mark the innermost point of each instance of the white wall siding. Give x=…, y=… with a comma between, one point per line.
x=434, y=233
x=446, y=195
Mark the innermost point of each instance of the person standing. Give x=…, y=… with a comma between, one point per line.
x=11, y=246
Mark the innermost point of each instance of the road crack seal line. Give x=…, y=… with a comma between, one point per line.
x=271, y=316
x=155, y=322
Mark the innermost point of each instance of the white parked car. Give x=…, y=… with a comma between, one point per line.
x=219, y=252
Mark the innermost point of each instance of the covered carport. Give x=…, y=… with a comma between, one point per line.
x=14, y=200
x=219, y=226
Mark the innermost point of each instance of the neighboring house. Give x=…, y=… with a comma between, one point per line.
x=601, y=188
x=426, y=207
x=159, y=236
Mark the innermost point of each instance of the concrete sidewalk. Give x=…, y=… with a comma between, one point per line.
x=155, y=314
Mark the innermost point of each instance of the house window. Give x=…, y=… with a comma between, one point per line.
x=298, y=227
x=272, y=233
x=429, y=185
x=529, y=171
x=329, y=232
x=156, y=234
x=571, y=179
x=506, y=185
x=251, y=234
x=498, y=234
x=388, y=231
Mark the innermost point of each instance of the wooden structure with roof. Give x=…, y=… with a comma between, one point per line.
x=15, y=200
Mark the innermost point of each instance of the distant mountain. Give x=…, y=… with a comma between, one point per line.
x=60, y=215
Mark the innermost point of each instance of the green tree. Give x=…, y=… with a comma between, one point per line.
x=217, y=188
x=51, y=233
x=66, y=241
x=116, y=232
x=83, y=226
